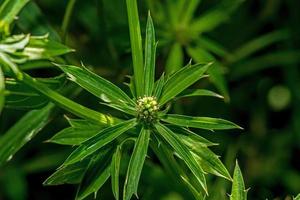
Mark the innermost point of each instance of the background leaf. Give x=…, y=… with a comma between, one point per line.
x=8, y=12
x=22, y=132
x=2, y=90
x=136, y=164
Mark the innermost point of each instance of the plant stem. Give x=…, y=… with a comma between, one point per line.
x=66, y=20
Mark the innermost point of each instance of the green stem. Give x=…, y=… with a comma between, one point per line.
x=67, y=104
x=66, y=20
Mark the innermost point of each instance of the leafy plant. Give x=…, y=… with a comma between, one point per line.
x=182, y=31
x=146, y=122
x=238, y=187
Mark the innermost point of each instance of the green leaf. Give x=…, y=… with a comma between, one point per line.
x=73, y=136
x=268, y=60
x=14, y=43
x=97, y=174
x=198, y=92
x=68, y=104
x=40, y=47
x=22, y=132
x=136, y=164
x=8, y=13
x=101, y=139
x=214, y=17
x=80, y=131
x=215, y=71
x=174, y=170
x=21, y=96
x=33, y=20
x=212, y=46
x=2, y=90
x=183, y=152
x=210, y=162
x=84, y=124
x=190, y=8
x=71, y=174
x=209, y=21
x=181, y=80
x=159, y=86
x=199, y=122
x=297, y=197
x=175, y=59
x=150, y=51
x=258, y=44
x=190, y=138
x=115, y=171
x=97, y=85
x=136, y=45
x=238, y=191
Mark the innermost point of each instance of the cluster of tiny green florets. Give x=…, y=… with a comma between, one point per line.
x=147, y=108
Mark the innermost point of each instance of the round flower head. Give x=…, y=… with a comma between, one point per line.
x=147, y=109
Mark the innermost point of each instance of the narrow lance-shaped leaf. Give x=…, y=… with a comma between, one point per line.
x=174, y=170
x=190, y=138
x=8, y=13
x=80, y=131
x=22, y=132
x=297, y=197
x=159, y=86
x=21, y=96
x=238, y=191
x=212, y=46
x=40, y=47
x=198, y=92
x=182, y=80
x=190, y=10
x=136, y=164
x=210, y=162
x=2, y=89
x=71, y=174
x=97, y=85
x=95, y=177
x=115, y=171
x=73, y=107
x=83, y=123
x=257, y=44
x=200, y=122
x=150, y=51
x=183, y=152
x=214, y=17
x=215, y=72
x=267, y=60
x=136, y=45
x=73, y=136
x=99, y=140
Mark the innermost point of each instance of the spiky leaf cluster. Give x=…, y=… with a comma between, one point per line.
x=145, y=123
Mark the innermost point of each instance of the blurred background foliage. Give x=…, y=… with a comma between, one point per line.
x=255, y=46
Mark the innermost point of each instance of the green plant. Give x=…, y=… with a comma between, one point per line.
x=101, y=140
x=146, y=122
x=182, y=31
